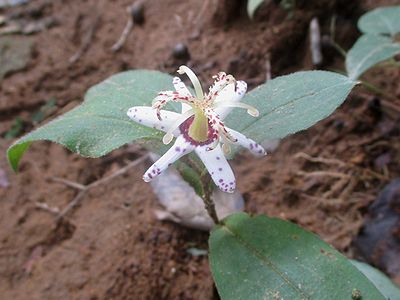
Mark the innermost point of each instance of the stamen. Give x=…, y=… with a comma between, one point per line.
x=169, y=135
x=221, y=82
x=228, y=136
x=193, y=78
x=226, y=148
x=252, y=111
x=167, y=138
x=164, y=97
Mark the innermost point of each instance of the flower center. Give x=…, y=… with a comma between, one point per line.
x=198, y=130
x=199, y=135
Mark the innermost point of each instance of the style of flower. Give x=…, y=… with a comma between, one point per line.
x=200, y=126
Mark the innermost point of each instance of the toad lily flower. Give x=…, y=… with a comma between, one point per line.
x=200, y=126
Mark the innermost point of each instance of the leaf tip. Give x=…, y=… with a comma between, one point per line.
x=15, y=152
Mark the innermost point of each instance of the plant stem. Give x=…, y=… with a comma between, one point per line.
x=376, y=90
x=208, y=202
x=206, y=183
x=339, y=49
x=335, y=45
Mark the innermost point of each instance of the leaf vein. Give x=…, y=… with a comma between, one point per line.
x=265, y=261
x=288, y=103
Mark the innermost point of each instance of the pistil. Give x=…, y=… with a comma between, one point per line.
x=198, y=130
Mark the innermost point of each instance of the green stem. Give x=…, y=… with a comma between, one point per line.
x=339, y=49
x=206, y=182
x=376, y=90
x=335, y=45
x=207, y=199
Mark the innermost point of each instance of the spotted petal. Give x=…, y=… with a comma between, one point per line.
x=169, y=96
x=218, y=167
x=181, y=88
x=228, y=95
x=146, y=116
x=248, y=143
x=179, y=149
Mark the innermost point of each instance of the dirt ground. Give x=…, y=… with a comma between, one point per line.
x=111, y=246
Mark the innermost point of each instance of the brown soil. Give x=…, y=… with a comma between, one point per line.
x=112, y=247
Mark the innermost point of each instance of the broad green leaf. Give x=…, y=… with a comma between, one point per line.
x=252, y=6
x=383, y=20
x=100, y=124
x=368, y=51
x=267, y=258
x=380, y=280
x=291, y=103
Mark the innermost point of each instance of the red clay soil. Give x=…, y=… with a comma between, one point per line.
x=111, y=246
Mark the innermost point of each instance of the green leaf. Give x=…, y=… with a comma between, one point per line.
x=252, y=6
x=291, y=103
x=267, y=258
x=100, y=124
x=380, y=280
x=368, y=51
x=383, y=20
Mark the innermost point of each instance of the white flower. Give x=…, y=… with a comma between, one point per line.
x=200, y=126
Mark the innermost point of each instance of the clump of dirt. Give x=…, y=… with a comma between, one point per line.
x=111, y=246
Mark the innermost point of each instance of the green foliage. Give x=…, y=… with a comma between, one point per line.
x=267, y=258
x=377, y=44
x=252, y=6
x=287, y=104
x=380, y=280
x=368, y=51
x=291, y=103
x=100, y=124
x=383, y=20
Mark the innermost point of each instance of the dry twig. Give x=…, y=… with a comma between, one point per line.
x=87, y=41
x=128, y=28
x=46, y=207
x=84, y=188
x=328, y=161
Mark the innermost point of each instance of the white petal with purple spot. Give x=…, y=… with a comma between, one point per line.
x=146, y=116
x=229, y=94
x=181, y=88
x=245, y=142
x=218, y=167
x=179, y=149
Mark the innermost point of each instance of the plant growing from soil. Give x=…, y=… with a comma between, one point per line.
x=379, y=41
x=288, y=5
x=250, y=257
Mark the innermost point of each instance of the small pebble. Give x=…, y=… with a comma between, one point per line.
x=181, y=51
x=378, y=241
x=338, y=124
x=137, y=12
x=375, y=107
